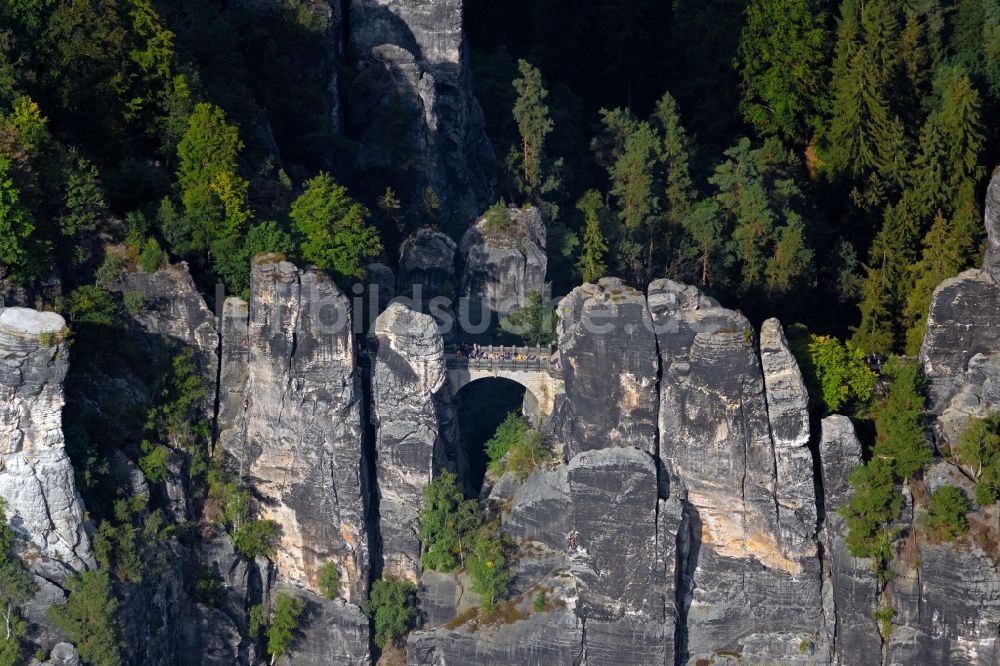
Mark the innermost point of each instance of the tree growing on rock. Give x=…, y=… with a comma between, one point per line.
x=89, y=618
x=946, y=513
x=447, y=523
x=285, y=617
x=332, y=228
x=392, y=608
x=16, y=588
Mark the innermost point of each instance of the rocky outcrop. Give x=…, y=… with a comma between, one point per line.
x=36, y=475
x=172, y=309
x=301, y=455
x=752, y=581
x=499, y=268
x=608, y=354
x=991, y=263
x=945, y=595
x=854, y=590
x=788, y=416
x=411, y=103
x=409, y=390
x=964, y=324
x=427, y=259
x=330, y=632
x=234, y=373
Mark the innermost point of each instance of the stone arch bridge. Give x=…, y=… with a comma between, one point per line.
x=534, y=368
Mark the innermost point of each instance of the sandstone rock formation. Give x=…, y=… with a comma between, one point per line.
x=412, y=100
x=409, y=391
x=962, y=341
x=36, y=475
x=752, y=582
x=608, y=354
x=500, y=267
x=853, y=632
x=301, y=454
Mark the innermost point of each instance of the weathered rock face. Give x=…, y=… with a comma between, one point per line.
x=963, y=323
x=301, y=455
x=500, y=268
x=946, y=596
x=332, y=632
x=788, y=415
x=608, y=354
x=172, y=309
x=36, y=475
x=752, y=577
x=855, y=592
x=427, y=258
x=992, y=218
x=409, y=389
x=412, y=100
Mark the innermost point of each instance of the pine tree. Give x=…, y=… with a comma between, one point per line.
x=884, y=289
x=679, y=195
x=591, y=264
x=534, y=124
x=16, y=227
x=951, y=245
x=782, y=58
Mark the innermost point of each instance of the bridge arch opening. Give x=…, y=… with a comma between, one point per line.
x=482, y=405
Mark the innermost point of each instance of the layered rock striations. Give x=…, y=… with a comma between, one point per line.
x=752, y=581
x=36, y=475
x=608, y=354
x=412, y=99
x=853, y=590
x=301, y=454
x=409, y=394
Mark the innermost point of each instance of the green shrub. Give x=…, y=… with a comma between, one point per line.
x=284, y=624
x=837, y=371
x=497, y=217
x=154, y=463
x=256, y=538
x=978, y=450
x=16, y=588
x=538, y=605
x=329, y=580
x=110, y=270
x=256, y=621
x=134, y=301
x=533, y=323
x=527, y=455
x=448, y=523
x=89, y=619
x=209, y=588
x=899, y=420
x=873, y=505
x=507, y=434
x=151, y=257
x=946, y=513
x=392, y=607
x=488, y=568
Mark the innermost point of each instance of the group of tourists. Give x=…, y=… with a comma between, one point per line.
x=476, y=352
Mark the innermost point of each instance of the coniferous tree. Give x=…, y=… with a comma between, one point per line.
x=591, y=264
x=782, y=59
x=534, y=124
x=676, y=160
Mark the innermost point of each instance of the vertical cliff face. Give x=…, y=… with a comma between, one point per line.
x=412, y=100
x=608, y=352
x=409, y=389
x=962, y=341
x=36, y=476
x=301, y=450
x=854, y=590
x=733, y=430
